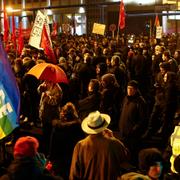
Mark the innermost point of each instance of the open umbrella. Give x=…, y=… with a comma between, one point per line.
x=48, y=71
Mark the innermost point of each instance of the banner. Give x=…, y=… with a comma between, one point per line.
x=156, y=22
x=36, y=32
x=9, y=96
x=20, y=39
x=99, y=28
x=46, y=44
x=159, y=32
x=121, y=15
x=6, y=26
x=13, y=37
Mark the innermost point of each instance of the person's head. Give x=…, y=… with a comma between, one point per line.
x=26, y=146
x=87, y=57
x=132, y=88
x=108, y=80
x=158, y=49
x=18, y=65
x=48, y=84
x=93, y=86
x=72, y=52
x=169, y=77
x=95, y=123
x=108, y=61
x=115, y=60
x=68, y=112
x=101, y=68
x=177, y=54
x=150, y=162
x=166, y=55
x=62, y=60
x=164, y=67
x=105, y=51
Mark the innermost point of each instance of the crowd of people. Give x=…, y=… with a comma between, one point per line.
x=98, y=126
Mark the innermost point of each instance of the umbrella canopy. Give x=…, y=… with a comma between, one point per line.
x=48, y=71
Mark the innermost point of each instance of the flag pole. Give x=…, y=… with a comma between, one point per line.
x=150, y=28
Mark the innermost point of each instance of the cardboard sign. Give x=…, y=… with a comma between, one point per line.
x=98, y=28
x=159, y=32
x=112, y=27
x=35, y=36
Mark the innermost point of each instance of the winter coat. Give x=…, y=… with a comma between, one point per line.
x=133, y=118
x=27, y=169
x=98, y=157
x=89, y=104
x=49, y=103
x=64, y=137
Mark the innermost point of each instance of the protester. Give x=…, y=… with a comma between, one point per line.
x=99, y=156
x=101, y=69
x=28, y=163
x=175, y=172
x=111, y=98
x=66, y=133
x=72, y=49
x=133, y=118
x=156, y=114
x=30, y=99
x=118, y=68
x=151, y=163
x=92, y=101
x=49, y=106
x=166, y=56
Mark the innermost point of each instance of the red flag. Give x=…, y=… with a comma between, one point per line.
x=156, y=23
x=46, y=45
x=20, y=39
x=55, y=26
x=6, y=26
x=121, y=16
x=13, y=32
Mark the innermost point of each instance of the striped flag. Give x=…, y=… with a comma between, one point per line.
x=9, y=96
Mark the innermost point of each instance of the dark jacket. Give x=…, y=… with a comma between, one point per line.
x=89, y=104
x=27, y=169
x=63, y=139
x=133, y=118
x=111, y=99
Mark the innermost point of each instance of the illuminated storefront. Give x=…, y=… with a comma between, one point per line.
x=79, y=15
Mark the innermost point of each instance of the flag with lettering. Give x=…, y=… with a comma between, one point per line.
x=9, y=96
x=122, y=15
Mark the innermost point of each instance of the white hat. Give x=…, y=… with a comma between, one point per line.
x=95, y=122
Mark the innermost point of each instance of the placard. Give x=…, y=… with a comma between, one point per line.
x=159, y=32
x=35, y=36
x=98, y=28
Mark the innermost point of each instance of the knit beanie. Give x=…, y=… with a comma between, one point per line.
x=26, y=147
